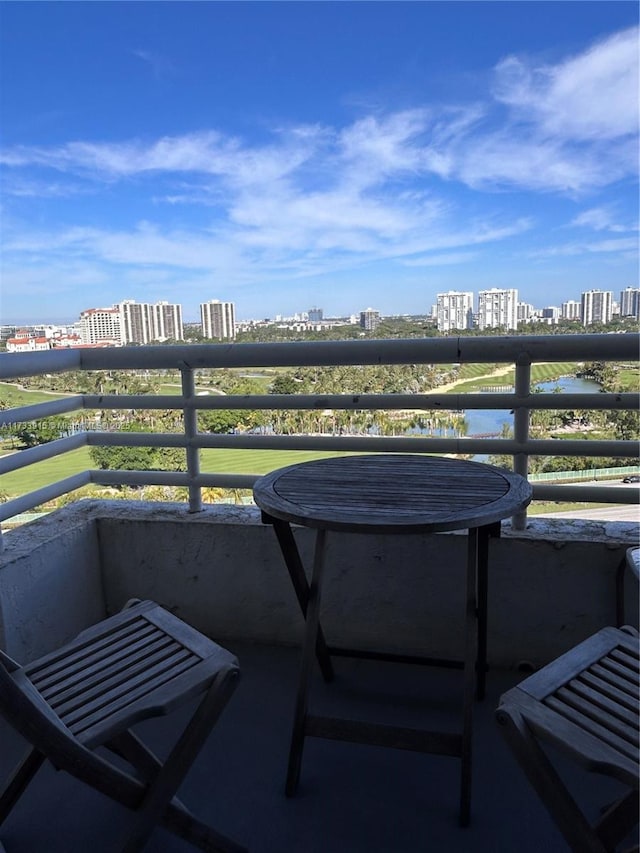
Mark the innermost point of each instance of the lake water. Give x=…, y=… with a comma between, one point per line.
x=491, y=421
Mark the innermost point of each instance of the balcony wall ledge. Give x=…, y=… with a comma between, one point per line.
x=550, y=585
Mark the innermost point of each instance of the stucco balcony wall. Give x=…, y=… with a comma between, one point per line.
x=221, y=569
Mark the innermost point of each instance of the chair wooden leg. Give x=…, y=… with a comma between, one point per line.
x=618, y=820
x=551, y=790
x=161, y=789
x=129, y=746
x=18, y=781
x=179, y=821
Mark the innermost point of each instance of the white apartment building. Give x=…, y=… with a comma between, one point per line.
x=218, y=319
x=550, y=315
x=131, y=322
x=454, y=310
x=143, y=322
x=570, y=310
x=136, y=322
x=526, y=313
x=167, y=321
x=100, y=325
x=596, y=307
x=369, y=319
x=630, y=302
x=498, y=309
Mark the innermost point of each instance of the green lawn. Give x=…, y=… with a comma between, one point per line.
x=257, y=461
x=43, y=473
x=539, y=373
x=175, y=388
x=211, y=461
x=629, y=378
x=13, y=397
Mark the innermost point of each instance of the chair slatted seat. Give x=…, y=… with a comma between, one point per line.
x=586, y=703
x=142, y=662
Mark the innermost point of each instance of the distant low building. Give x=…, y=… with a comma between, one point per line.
x=550, y=315
x=28, y=344
x=66, y=341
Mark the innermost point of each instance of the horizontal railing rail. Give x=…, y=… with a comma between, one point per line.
x=451, y=350
x=521, y=351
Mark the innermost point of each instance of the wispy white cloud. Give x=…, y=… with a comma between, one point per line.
x=590, y=96
x=552, y=136
x=622, y=246
x=602, y=219
x=159, y=64
x=570, y=127
x=21, y=187
x=315, y=199
x=441, y=260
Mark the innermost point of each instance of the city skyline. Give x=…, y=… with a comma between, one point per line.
x=461, y=303
x=299, y=154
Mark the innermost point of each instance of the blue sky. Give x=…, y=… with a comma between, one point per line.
x=284, y=155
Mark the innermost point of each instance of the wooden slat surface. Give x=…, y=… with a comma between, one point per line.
x=88, y=686
x=624, y=698
x=144, y=655
x=392, y=493
x=589, y=701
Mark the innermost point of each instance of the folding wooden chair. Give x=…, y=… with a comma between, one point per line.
x=630, y=565
x=141, y=663
x=586, y=704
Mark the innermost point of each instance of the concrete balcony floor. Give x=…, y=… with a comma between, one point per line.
x=352, y=799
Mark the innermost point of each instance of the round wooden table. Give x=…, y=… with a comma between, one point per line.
x=390, y=494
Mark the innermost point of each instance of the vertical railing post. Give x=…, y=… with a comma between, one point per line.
x=190, y=415
x=521, y=421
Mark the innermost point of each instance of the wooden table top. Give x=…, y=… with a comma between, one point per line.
x=391, y=493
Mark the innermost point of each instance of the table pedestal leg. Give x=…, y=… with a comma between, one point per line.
x=312, y=628
x=470, y=657
x=299, y=580
x=484, y=534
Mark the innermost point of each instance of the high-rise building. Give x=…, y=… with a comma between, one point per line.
x=218, y=319
x=142, y=322
x=596, y=307
x=369, y=319
x=498, y=309
x=167, y=322
x=454, y=310
x=131, y=322
x=630, y=302
x=315, y=315
x=525, y=312
x=570, y=310
x=136, y=322
x=100, y=325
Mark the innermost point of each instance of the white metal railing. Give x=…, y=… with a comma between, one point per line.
x=521, y=351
